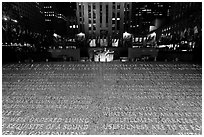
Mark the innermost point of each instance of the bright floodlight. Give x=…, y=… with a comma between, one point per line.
x=81, y=34
x=55, y=35
x=5, y=18
x=15, y=21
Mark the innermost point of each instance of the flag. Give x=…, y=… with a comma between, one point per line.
x=181, y=34
x=185, y=33
x=27, y=31
x=189, y=30
x=14, y=29
x=3, y=28
x=23, y=32
x=195, y=29
x=19, y=32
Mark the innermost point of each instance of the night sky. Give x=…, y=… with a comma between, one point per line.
x=66, y=8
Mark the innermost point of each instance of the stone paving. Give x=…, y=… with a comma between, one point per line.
x=59, y=98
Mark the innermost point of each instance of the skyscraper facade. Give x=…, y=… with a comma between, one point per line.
x=146, y=14
x=104, y=19
x=185, y=17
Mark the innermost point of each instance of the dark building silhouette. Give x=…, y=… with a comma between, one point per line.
x=29, y=14
x=55, y=21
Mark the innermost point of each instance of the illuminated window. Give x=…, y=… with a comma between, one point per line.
x=136, y=39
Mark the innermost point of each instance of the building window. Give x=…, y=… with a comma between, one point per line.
x=94, y=14
x=118, y=14
x=100, y=7
x=89, y=15
x=113, y=26
x=94, y=26
x=113, y=15
x=90, y=26
x=118, y=24
x=128, y=6
x=80, y=19
x=118, y=6
x=101, y=16
x=89, y=8
x=106, y=13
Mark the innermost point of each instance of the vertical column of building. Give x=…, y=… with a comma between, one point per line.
x=107, y=15
x=83, y=17
x=77, y=15
x=86, y=22
x=103, y=15
x=115, y=13
x=121, y=29
x=91, y=20
x=97, y=18
x=130, y=15
x=110, y=6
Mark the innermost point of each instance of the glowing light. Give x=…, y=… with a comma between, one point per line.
x=81, y=34
x=15, y=21
x=55, y=35
x=5, y=18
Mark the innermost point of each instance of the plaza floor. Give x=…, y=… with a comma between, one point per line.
x=116, y=98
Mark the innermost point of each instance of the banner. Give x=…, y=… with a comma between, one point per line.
x=115, y=42
x=103, y=42
x=93, y=43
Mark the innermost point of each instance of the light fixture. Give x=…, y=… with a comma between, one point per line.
x=5, y=18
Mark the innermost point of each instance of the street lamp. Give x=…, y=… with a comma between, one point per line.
x=5, y=19
x=14, y=21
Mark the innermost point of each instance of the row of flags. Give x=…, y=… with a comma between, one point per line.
x=189, y=32
x=103, y=42
x=186, y=34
